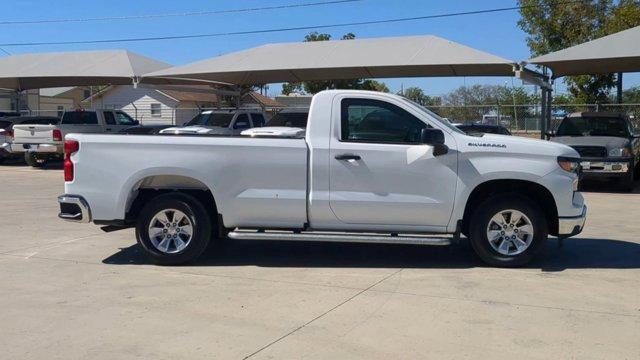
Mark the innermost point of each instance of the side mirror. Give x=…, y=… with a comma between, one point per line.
x=435, y=138
x=136, y=122
x=549, y=134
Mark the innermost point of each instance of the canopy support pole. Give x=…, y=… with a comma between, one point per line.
x=619, y=88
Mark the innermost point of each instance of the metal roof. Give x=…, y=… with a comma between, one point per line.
x=410, y=56
x=619, y=52
x=74, y=68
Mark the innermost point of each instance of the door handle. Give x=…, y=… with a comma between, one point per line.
x=348, y=157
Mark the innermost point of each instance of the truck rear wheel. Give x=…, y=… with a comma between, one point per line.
x=34, y=160
x=508, y=230
x=173, y=229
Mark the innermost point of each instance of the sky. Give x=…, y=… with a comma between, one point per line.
x=496, y=33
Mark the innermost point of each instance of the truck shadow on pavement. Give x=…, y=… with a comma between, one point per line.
x=577, y=253
x=596, y=186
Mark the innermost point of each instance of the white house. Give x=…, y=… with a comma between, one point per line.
x=153, y=106
x=166, y=105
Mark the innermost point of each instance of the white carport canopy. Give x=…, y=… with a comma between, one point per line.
x=411, y=56
x=619, y=52
x=74, y=68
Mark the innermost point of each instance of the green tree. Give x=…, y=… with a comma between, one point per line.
x=313, y=87
x=553, y=26
x=417, y=94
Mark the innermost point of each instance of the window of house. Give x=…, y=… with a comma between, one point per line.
x=366, y=120
x=87, y=93
x=156, y=110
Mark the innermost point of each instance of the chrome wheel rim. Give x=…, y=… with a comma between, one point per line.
x=510, y=232
x=170, y=231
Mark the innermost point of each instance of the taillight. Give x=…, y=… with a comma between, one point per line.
x=70, y=147
x=57, y=135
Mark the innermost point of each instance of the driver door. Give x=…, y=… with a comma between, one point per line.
x=380, y=172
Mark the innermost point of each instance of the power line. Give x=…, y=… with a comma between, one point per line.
x=265, y=31
x=191, y=13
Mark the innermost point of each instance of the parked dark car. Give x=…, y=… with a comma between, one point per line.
x=4, y=114
x=290, y=117
x=144, y=129
x=483, y=129
x=6, y=131
x=607, y=143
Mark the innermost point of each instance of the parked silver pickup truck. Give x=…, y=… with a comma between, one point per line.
x=369, y=167
x=41, y=143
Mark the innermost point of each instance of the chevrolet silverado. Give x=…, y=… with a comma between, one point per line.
x=369, y=167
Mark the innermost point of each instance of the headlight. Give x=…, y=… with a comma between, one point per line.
x=620, y=152
x=569, y=164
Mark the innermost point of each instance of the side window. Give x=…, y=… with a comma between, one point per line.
x=109, y=119
x=366, y=120
x=156, y=110
x=258, y=120
x=124, y=119
x=242, y=122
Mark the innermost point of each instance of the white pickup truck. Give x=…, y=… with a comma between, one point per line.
x=371, y=167
x=41, y=143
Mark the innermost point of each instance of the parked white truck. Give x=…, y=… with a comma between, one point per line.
x=41, y=143
x=371, y=167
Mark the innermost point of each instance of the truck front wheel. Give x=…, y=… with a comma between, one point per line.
x=508, y=230
x=173, y=229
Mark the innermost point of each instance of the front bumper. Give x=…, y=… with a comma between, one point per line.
x=570, y=226
x=37, y=148
x=595, y=167
x=74, y=208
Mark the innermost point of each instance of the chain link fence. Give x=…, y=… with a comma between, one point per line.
x=519, y=119
x=526, y=118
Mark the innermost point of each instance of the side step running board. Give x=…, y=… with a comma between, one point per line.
x=341, y=237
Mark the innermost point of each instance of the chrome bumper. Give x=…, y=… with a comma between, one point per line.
x=74, y=208
x=38, y=148
x=570, y=226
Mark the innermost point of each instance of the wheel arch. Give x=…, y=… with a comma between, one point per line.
x=150, y=185
x=529, y=189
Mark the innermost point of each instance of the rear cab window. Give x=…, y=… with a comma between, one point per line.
x=80, y=118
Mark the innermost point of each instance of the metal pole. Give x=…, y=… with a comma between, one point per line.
x=619, y=88
x=543, y=112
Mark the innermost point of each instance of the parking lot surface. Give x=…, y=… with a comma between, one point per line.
x=71, y=291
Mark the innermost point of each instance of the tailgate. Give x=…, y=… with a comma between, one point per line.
x=33, y=134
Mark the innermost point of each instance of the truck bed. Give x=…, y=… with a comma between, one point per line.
x=264, y=179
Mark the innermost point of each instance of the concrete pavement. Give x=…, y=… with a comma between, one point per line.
x=71, y=291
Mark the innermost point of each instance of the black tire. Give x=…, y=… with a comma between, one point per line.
x=481, y=218
x=627, y=183
x=198, y=216
x=35, y=161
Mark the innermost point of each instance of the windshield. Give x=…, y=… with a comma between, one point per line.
x=435, y=116
x=583, y=126
x=211, y=119
x=289, y=119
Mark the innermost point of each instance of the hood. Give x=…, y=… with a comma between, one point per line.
x=193, y=130
x=518, y=144
x=610, y=142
